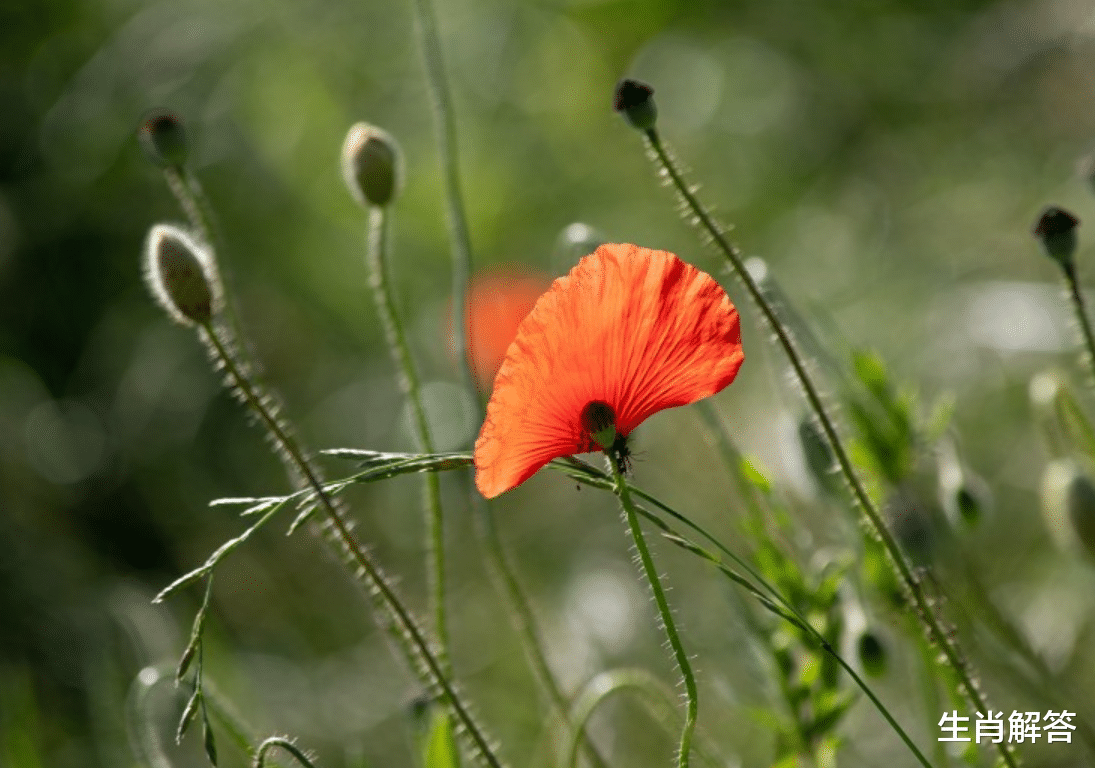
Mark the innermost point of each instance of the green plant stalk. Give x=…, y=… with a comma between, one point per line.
x=595, y=478
x=927, y=614
x=419, y=647
x=378, y=263
x=460, y=241
x=1075, y=294
x=651, y=573
x=501, y=570
x=657, y=697
x=281, y=743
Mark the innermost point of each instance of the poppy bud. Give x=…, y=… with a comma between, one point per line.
x=1068, y=501
x=182, y=275
x=1056, y=231
x=371, y=165
x=872, y=654
x=635, y=101
x=599, y=420
x=163, y=139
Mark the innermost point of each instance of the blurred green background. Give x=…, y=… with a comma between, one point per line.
x=887, y=163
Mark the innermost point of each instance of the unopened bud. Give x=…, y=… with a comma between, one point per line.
x=635, y=101
x=371, y=165
x=182, y=275
x=872, y=654
x=1068, y=501
x=163, y=139
x=1056, y=231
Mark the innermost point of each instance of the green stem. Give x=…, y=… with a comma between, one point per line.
x=501, y=570
x=651, y=573
x=924, y=608
x=281, y=743
x=419, y=646
x=440, y=100
x=1076, y=295
x=378, y=262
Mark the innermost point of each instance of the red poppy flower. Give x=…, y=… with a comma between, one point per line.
x=498, y=301
x=631, y=328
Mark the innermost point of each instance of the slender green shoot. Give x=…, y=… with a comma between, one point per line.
x=284, y=744
x=659, y=699
x=377, y=259
x=668, y=624
x=1076, y=297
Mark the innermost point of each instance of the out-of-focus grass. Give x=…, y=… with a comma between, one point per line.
x=887, y=164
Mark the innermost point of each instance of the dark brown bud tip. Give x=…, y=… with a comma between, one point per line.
x=1056, y=231
x=635, y=101
x=163, y=138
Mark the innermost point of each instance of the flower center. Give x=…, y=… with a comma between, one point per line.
x=599, y=420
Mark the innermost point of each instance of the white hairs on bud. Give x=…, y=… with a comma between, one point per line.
x=182, y=275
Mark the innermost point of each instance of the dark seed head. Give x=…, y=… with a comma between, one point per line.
x=1056, y=231
x=163, y=138
x=635, y=101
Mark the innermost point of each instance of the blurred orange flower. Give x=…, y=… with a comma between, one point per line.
x=498, y=300
x=629, y=328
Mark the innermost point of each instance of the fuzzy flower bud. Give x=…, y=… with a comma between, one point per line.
x=372, y=165
x=635, y=101
x=1056, y=231
x=163, y=139
x=1068, y=501
x=182, y=275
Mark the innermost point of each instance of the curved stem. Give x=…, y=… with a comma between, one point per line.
x=377, y=260
x=418, y=645
x=936, y=633
x=282, y=743
x=651, y=573
x=1076, y=295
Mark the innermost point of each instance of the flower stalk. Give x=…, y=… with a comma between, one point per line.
x=650, y=572
x=936, y=632
x=500, y=568
x=377, y=261
x=427, y=659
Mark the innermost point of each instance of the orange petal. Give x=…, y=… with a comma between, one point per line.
x=637, y=329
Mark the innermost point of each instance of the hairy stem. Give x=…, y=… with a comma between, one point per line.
x=501, y=570
x=651, y=573
x=418, y=645
x=947, y=645
x=1076, y=295
x=377, y=261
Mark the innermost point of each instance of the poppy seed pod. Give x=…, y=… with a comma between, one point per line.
x=1056, y=231
x=163, y=139
x=635, y=101
x=182, y=275
x=372, y=165
x=1068, y=501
